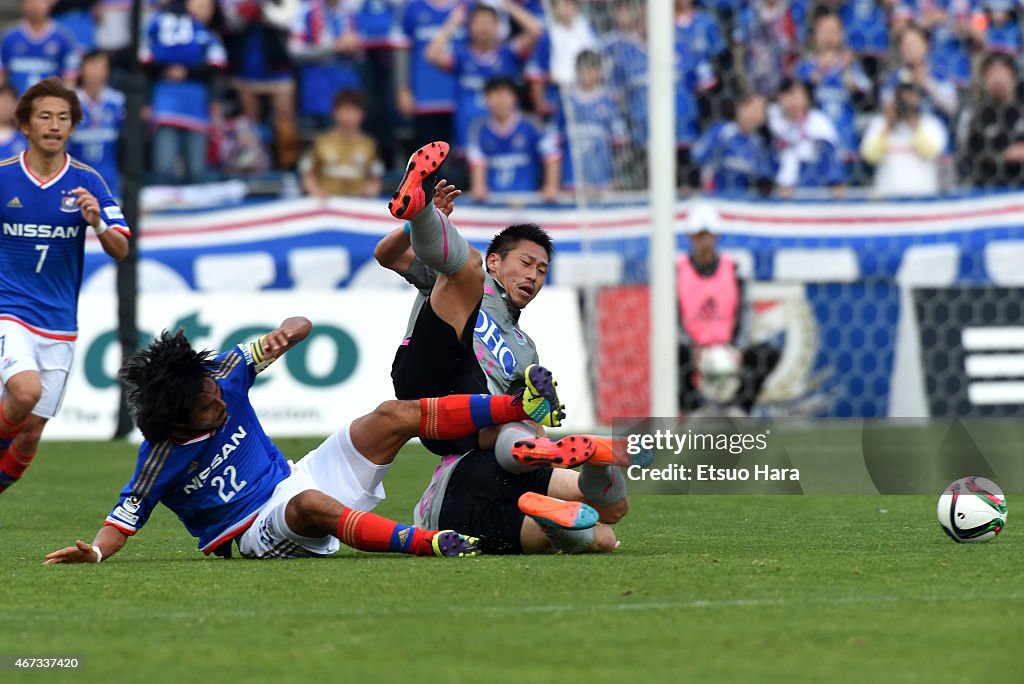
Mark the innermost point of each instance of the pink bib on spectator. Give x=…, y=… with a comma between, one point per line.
x=708, y=306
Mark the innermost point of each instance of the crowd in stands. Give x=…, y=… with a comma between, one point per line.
x=773, y=97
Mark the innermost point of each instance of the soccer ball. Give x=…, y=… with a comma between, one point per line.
x=972, y=509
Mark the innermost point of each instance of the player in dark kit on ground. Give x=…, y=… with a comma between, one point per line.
x=464, y=337
x=207, y=458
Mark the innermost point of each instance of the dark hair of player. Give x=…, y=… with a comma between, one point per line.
x=48, y=87
x=162, y=382
x=8, y=89
x=505, y=241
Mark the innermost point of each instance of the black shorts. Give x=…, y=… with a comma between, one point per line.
x=482, y=500
x=436, y=363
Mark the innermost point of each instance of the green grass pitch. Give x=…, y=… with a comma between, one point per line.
x=704, y=589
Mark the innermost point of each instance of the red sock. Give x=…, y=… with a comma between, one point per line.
x=8, y=429
x=460, y=415
x=12, y=466
x=371, y=532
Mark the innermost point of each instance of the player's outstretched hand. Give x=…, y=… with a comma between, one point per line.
x=292, y=331
x=79, y=553
x=276, y=341
x=444, y=196
x=89, y=205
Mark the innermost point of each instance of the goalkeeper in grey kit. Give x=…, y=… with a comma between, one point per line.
x=512, y=485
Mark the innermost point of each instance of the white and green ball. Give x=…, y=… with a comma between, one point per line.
x=972, y=510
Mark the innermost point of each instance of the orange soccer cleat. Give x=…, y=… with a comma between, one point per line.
x=551, y=512
x=567, y=452
x=612, y=451
x=411, y=195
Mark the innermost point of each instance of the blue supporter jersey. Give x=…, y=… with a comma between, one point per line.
x=27, y=57
x=693, y=74
x=173, y=38
x=950, y=48
x=42, y=244
x=95, y=141
x=472, y=70
x=832, y=94
x=538, y=70
x=514, y=154
x=1004, y=38
x=732, y=161
x=866, y=25
x=596, y=128
x=216, y=482
x=433, y=88
x=12, y=144
x=317, y=27
x=375, y=22
x=701, y=34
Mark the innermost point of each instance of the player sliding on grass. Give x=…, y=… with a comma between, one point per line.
x=207, y=458
x=465, y=338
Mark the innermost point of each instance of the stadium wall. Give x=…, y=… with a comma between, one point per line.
x=835, y=285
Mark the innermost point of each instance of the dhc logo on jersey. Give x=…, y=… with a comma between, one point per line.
x=42, y=231
x=487, y=332
x=199, y=480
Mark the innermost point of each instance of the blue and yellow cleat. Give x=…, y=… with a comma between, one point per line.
x=551, y=512
x=540, y=399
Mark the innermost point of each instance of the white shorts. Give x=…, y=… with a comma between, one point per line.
x=335, y=468
x=23, y=350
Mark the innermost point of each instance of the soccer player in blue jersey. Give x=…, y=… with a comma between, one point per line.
x=95, y=140
x=510, y=153
x=37, y=48
x=482, y=58
x=48, y=201
x=207, y=458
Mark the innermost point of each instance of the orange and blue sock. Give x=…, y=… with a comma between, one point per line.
x=8, y=430
x=371, y=532
x=460, y=415
x=12, y=466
